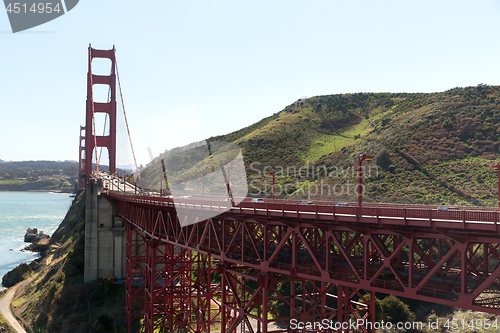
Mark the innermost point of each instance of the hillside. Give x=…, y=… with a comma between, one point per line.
x=432, y=148
x=38, y=176
x=26, y=169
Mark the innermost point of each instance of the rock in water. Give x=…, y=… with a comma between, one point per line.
x=16, y=275
x=32, y=235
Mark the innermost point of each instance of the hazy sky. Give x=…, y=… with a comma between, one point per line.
x=194, y=69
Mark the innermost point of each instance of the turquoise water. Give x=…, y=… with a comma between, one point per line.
x=21, y=210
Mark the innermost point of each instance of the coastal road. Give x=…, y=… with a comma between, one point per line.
x=5, y=310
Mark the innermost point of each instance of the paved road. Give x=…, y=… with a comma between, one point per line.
x=5, y=310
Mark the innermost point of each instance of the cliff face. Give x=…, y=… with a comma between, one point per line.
x=55, y=299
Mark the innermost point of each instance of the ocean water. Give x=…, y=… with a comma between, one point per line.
x=22, y=210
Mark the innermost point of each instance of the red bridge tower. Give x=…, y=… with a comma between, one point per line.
x=90, y=141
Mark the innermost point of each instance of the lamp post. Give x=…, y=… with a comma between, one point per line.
x=161, y=183
x=228, y=184
x=362, y=158
x=272, y=173
x=497, y=166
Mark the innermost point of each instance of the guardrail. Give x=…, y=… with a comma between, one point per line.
x=469, y=217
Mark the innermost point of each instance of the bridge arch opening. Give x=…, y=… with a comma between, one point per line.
x=100, y=93
x=101, y=124
x=101, y=66
x=102, y=158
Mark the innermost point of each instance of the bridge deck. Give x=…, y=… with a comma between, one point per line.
x=481, y=221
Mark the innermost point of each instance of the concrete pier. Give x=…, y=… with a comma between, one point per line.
x=105, y=238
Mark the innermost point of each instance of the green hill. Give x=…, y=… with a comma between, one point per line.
x=29, y=169
x=38, y=176
x=430, y=148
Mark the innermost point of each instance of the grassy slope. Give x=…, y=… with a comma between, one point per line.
x=440, y=145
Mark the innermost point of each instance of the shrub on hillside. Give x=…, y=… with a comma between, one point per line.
x=383, y=158
x=392, y=309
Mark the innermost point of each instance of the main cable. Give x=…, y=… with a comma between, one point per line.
x=125, y=115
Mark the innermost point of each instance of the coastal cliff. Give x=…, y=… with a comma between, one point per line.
x=54, y=298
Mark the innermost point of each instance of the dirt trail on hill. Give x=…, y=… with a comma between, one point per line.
x=5, y=310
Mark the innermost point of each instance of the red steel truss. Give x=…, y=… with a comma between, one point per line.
x=170, y=287
x=326, y=264
x=187, y=290
x=322, y=263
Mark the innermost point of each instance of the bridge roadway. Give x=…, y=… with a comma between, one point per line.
x=448, y=256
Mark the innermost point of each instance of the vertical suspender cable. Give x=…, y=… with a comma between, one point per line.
x=125, y=114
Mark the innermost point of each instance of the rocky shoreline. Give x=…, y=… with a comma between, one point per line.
x=23, y=270
x=39, y=243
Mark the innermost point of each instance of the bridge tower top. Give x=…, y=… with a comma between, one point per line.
x=90, y=141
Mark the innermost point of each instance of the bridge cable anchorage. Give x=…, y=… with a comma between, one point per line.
x=93, y=118
x=125, y=115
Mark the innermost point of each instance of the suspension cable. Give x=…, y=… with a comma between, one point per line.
x=125, y=114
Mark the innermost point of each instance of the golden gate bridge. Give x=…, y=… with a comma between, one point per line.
x=206, y=264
